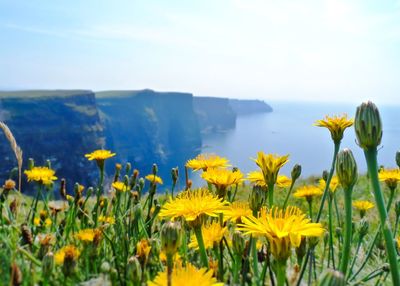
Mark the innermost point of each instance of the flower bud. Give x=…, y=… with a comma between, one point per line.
x=16, y=274
x=397, y=208
x=134, y=270
x=338, y=232
x=398, y=158
x=63, y=188
x=141, y=184
x=363, y=228
x=256, y=198
x=238, y=243
x=105, y=267
x=48, y=264
x=170, y=237
x=332, y=278
x=26, y=234
x=325, y=175
x=174, y=175
x=31, y=164
x=89, y=191
x=301, y=251
x=296, y=172
x=154, y=169
x=368, y=125
x=346, y=169
x=137, y=211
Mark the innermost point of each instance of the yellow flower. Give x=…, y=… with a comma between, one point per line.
x=236, y=211
x=36, y=221
x=69, y=251
x=332, y=186
x=163, y=257
x=256, y=178
x=222, y=178
x=363, y=205
x=192, y=204
x=283, y=182
x=282, y=228
x=270, y=165
x=106, y=219
x=188, y=275
x=154, y=179
x=205, y=161
x=212, y=233
x=47, y=222
x=119, y=186
x=86, y=235
x=143, y=249
x=336, y=125
x=308, y=192
x=9, y=184
x=390, y=176
x=99, y=155
x=42, y=175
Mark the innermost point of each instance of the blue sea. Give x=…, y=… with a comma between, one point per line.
x=289, y=130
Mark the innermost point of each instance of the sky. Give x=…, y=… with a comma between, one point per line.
x=311, y=50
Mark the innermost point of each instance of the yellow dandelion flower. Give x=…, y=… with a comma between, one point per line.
x=270, y=164
x=42, y=175
x=308, y=192
x=175, y=258
x=86, y=235
x=143, y=248
x=336, y=125
x=107, y=219
x=283, y=182
x=236, y=211
x=69, y=251
x=332, y=186
x=36, y=221
x=192, y=204
x=363, y=205
x=48, y=222
x=99, y=155
x=390, y=176
x=256, y=178
x=188, y=275
x=212, y=233
x=205, y=161
x=120, y=186
x=282, y=228
x=222, y=178
x=154, y=179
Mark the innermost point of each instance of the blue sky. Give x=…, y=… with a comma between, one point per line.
x=336, y=50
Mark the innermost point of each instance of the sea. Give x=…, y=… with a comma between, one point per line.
x=290, y=129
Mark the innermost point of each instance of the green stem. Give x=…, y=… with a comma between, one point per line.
x=371, y=157
x=331, y=250
x=271, y=195
x=281, y=272
x=236, y=266
x=310, y=207
x=254, y=254
x=170, y=264
x=344, y=261
x=288, y=195
x=202, y=249
x=328, y=181
x=355, y=256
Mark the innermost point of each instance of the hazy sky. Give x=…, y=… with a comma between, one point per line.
x=311, y=50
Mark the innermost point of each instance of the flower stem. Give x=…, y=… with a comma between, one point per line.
x=169, y=269
x=371, y=157
x=344, y=261
x=281, y=272
x=271, y=195
x=331, y=250
x=288, y=195
x=253, y=242
x=202, y=249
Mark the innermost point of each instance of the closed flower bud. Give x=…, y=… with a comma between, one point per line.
x=332, y=278
x=346, y=169
x=174, y=175
x=128, y=168
x=105, y=267
x=48, y=264
x=63, y=189
x=89, y=191
x=141, y=184
x=363, y=228
x=325, y=175
x=301, y=251
x=31, y=164
x=338, y=232
x=48, y=164
x=296, y=172
x=368, y=125
x=26, y=234
x=170, y=237
x=154, y=169
x=134, y=270
x=256, y=198
x=238, y=243
x=398, y=158
x=16, y=275
x=137, y=211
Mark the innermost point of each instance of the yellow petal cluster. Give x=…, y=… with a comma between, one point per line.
x=282, y=228
x=99, y=155
x=332, y=186
x=270, y=164
x=363, y=205
x=390, y=176
x=69, y=251
x=106, y=219
x=222, y=178
x=205, y=161
x=119, y=186
x=192, y=204
x=188, y=275
x=154, y=179
x=43, y=175
x=308, y=192
x=86, y=235
x=336, y=125
x=236, y=211
x=212, y=233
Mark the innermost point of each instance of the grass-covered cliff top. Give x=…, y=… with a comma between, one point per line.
x=131, y=93
x=42, y=93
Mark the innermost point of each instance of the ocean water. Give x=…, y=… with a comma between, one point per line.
x=289, y=130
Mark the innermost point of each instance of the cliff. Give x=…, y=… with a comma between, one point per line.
x=52, y=124
x=249, y=106
x=146, y=127
x=214, y=114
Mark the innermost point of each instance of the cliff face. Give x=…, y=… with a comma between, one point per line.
x=58, y=125
x=146, y=127
x=214, y=114
x=249, y=106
